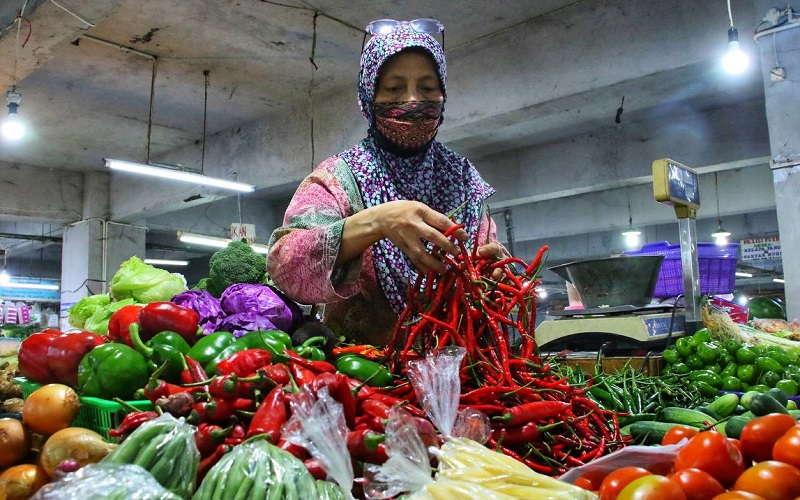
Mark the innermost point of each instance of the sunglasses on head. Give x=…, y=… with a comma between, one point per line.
x=385, y=26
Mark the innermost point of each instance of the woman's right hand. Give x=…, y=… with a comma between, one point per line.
x=407, y=223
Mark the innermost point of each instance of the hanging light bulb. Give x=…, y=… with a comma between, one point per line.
x=720, y=235
x=13, y=128
x=735, y=61
x=631, y=234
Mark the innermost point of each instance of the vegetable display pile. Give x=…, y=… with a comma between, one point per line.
x=481, y=305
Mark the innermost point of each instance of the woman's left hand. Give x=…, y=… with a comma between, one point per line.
x=496, y=250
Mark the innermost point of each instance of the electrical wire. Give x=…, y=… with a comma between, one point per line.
x=311, y=86
x=76, y=16
x=205, y=120
x=730, y=13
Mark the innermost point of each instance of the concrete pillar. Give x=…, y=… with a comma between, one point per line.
x=94, y=248
x=783, y=119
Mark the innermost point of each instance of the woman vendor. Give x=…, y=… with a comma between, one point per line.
x=360, y=227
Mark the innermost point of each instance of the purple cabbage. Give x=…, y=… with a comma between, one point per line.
x=205, y=304
x=240, y=323
x=254, y=300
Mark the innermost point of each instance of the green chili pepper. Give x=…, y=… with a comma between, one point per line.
x=208, y=347
x=111, y=370
x=365, y=370
x=309, y=349
x=160, y=354
x=275, y=341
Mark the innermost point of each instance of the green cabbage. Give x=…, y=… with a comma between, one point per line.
x=145, y=283
x=98, y=322
x=82, y=310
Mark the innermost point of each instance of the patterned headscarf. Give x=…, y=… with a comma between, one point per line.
x=440, y=178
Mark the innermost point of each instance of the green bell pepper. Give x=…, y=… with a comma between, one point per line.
x=208, y=347
x=275, y=341
x=310, y=350
x=171, y=339
x=111, y=370
x=370, y=372
x=157, y=354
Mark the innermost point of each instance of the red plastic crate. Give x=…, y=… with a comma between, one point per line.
x=716, y=266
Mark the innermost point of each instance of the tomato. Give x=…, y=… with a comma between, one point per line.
x=591, y=480
x=787, y=447
x=652, y=487
x=677, y=433
x=771, y=479
x=738, y=495
x=697, y=484
x=620, y=478
x=759, y=435
x=711, y=452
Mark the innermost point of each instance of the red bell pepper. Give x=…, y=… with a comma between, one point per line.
x=120, y=321
x=244, y=363
x=66, y=351
x=32, y=356
x=157, y=317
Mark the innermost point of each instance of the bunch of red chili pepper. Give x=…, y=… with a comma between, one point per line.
x=481, y=304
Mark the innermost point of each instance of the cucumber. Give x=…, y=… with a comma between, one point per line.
x=686, y=416
x=629, y=419
x=779, y=396
x=649, y=432
x=710, y=413
x=763, y=404
x=747, y=397
x=735, y=424
x=724, y=406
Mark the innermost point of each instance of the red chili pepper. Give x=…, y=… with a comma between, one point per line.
x=199, y=414
x=32, y=354
x=245, y=362
x=208, y=437
x=65, y=352
x=230, y=386
x=270, y=416
x=131, y=422
x=221, y=409
x=375, y=408
x=315, y=468
x=367, y=351
x=339, y=389
x=237, y=436
x=295, y=450
x=524, y=433
x=534, y=411
x=366, y=445
x=370, y=422
x=207, y=463
x=157, y=317
x=120, y=322
x=315, y=366
x=194, y=372
x=302, y=376
x=278, y=373
x=157, y=388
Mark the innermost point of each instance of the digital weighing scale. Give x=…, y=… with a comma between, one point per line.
x=614, y=329
x=629, y=328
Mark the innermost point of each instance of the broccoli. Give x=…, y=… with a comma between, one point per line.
x=236, y=263
x=207, y=285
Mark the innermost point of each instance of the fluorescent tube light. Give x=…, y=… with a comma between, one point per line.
x=778, y=280
x=31, y=286
x=743, y=275
x=166, y=262
x=178, y=175
x=213, y=241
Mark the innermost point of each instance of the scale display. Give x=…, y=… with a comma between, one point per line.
x=676, y=184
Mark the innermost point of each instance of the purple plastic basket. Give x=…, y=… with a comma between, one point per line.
x=717, y=267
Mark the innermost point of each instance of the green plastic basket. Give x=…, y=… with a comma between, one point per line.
x=99, y=415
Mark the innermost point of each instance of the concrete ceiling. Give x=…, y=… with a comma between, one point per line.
x=85, y=73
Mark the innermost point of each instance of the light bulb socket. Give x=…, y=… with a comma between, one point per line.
x=733, y=34
x=12, y=108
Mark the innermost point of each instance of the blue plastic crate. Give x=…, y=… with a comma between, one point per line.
x=716, y=266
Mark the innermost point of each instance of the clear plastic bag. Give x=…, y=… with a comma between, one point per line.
x=437, y=385
x=641, y=456
x=408, y=467
x=105, y=481
x=166, y=448
x=257, y=470
x=318, y=425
